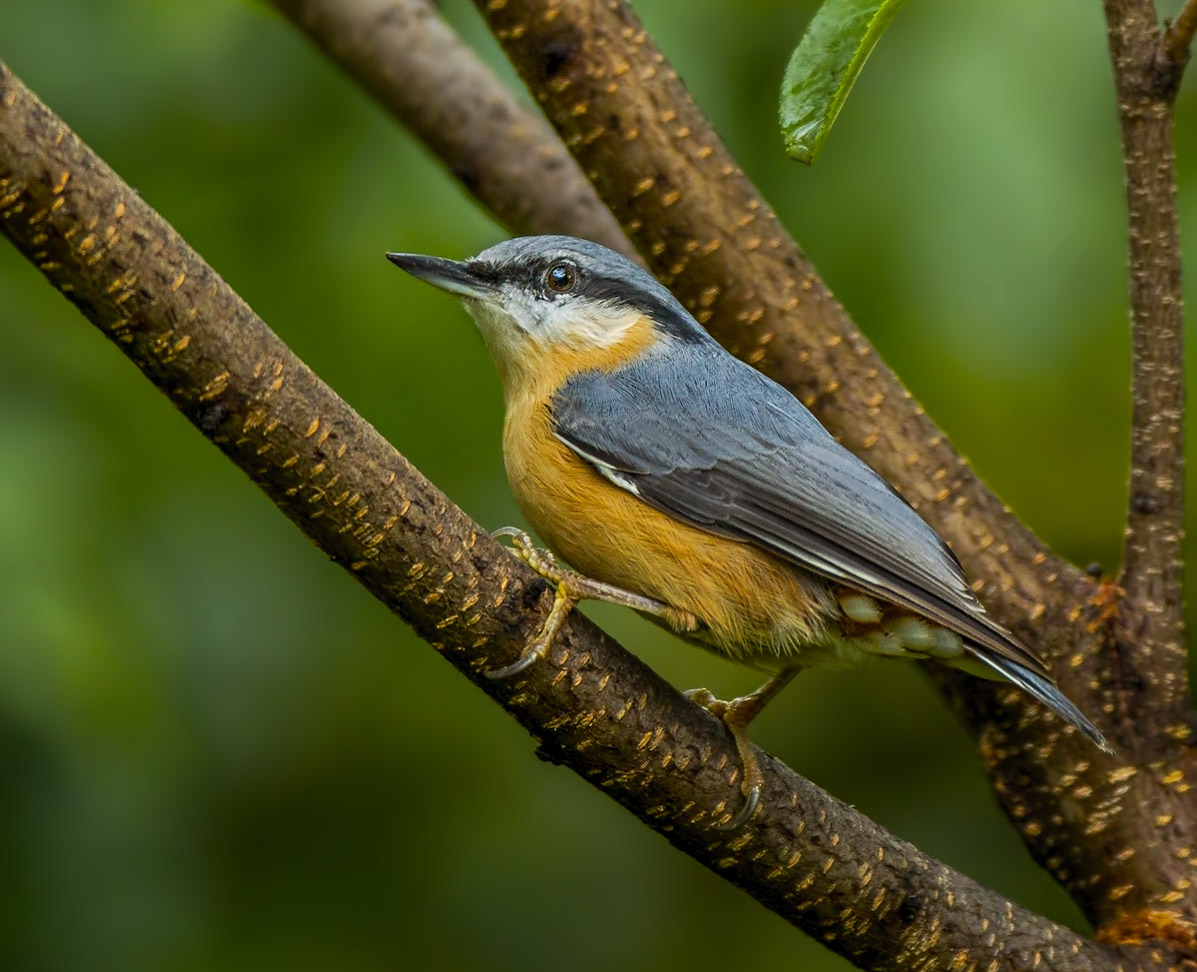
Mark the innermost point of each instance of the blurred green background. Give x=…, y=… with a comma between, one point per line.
x=218, y=753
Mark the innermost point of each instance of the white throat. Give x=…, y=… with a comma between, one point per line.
x=521, y=320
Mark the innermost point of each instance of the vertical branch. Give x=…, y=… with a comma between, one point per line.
x=1147, y=70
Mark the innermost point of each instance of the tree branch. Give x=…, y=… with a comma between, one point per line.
x=1153, y=649
x=1178, y=38
x=593, y=707
x=419, y=70
x=705, y=230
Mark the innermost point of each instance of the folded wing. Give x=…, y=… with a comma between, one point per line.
x=734, y=453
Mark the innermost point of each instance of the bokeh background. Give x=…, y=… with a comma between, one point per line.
x=218, y=753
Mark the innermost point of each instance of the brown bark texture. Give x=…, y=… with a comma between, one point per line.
x=593, y=707
x=1153, y=644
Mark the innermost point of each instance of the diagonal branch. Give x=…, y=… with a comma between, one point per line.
x=592, y=706
x=417, y=68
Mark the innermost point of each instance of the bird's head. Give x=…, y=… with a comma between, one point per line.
x=557, y=302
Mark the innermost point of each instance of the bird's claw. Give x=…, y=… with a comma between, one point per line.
x=706, y=698
x=544, y=564
x=752, y=800
x=534, y=652
x=731, y=715
x=537, y=558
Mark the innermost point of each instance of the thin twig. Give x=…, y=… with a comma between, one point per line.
x=1177, y=44
x=804, y=855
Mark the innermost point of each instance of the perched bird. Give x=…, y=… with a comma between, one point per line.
x=681, y=482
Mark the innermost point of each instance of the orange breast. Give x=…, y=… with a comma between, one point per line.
x=751, y=604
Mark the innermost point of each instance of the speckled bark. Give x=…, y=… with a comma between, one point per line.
x=419, y=70
x=1119, y=836
x=592, y=705
x=1153, y=650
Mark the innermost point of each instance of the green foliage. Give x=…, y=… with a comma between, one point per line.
x=823, y=68
x=218, y=753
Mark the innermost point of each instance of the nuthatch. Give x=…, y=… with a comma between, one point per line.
x=683, y=483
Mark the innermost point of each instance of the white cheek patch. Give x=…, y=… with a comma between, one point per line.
x=572, y=322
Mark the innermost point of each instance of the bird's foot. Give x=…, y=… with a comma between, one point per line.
x=736, y=714
x=572, y=587
x=751, y=778
x=539, y=559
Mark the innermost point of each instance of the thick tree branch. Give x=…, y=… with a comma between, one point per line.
x=1153, y=650
x=417, y=68
x=705, y=230
x=594, y=708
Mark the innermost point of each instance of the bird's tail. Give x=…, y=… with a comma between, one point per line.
x=1045, y=691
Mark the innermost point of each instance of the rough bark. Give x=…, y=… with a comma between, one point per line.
x=1153, y=650
x=593, y=707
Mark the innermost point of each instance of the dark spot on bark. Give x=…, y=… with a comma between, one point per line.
x=531, y=594
x=211, y=418
x=549, y=755
x=814, y=839
x=1146, y=504
x=1164, y=79
x=558, y=52
x=1094, y=570
x=909, y=909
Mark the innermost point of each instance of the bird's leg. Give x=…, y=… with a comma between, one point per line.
x=736, y=715
x=572, y=587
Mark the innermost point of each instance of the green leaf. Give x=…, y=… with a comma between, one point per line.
x=824, y=66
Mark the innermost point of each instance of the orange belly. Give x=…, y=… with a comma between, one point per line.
x=750, y=604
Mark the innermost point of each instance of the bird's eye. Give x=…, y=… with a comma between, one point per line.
x=561, y=278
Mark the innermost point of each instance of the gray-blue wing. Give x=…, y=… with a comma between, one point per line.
x=708, y=439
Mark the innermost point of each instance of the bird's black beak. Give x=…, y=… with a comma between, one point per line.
x=457, y=278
